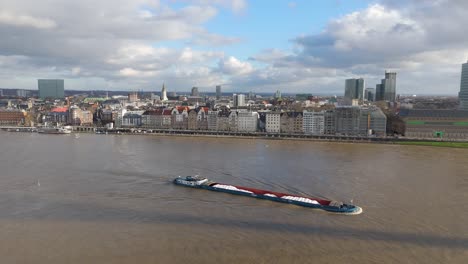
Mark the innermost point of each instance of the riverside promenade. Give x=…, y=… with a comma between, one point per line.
x=260, y=135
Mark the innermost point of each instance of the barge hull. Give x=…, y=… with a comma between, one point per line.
x=332, y=209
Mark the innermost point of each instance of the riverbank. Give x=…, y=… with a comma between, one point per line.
x=261, y=135
x=434, y=144
x=294, y=137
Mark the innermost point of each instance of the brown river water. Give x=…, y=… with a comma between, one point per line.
x=109, y=199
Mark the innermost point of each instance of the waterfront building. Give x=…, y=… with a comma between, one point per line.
x=463, y=94
x=132, y=119
x=313, y=122
x=449, y=124
x=291, y=123
x=372, y=121
x=12, y=117
x=152, y=119
x=226, y=120
x=86, y=118
x=247, y=121
x=192, y=119
x=218, y=92
x=74, y=116
x=273, y=122
x=233, y=121
x=202, y=118
x=51, y=88
x=354, y=89
x=107, y=116
x=180, y=117
x=198, y=119
x=329, y=120
x=238, y=100
x=212, y=120
x=262, y=121
x=57, y=115
x=79, y=117
x=195, y=91
x=223, y=121
x=347, y=120
x=158, y=119
x=166, y=118
x=119, y=117
x=163, y=93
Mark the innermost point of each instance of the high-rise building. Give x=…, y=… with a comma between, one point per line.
x=386, y=90
x=133, y=97
x=238, y=100
x=218, y=92
x=463, y=95
x=164, y=93
x=21, y=93
x=51, y=88
x=278, y=94
x=369, y=94
x=195, y=91
x=379, y=92
x=389, y=84
x=354, y=89
x=1, y=92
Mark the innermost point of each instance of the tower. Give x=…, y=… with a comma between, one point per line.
x=389, y=84
x=354, y=89
x=218, y=92
x=163, y=93
x=463, y=94
x=278, y=94
x=195, y=91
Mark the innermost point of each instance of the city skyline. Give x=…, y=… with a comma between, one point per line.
x=140, y=44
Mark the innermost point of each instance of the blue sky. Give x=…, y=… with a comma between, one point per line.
x=245, y=45
x=273, y=24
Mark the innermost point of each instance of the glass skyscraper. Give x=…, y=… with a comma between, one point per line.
x=354, y=89
x=51, y=88
x=463, y=95
x=389, y=84
x=218, y=92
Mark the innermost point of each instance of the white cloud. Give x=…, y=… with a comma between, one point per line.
x=130, y=43
x=233, y=66
x=114, y=41
x=237, y=6
x=26, y=20
x=130, y=72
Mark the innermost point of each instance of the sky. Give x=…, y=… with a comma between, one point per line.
x=297, y=46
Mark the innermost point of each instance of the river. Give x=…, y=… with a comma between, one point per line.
x=109, y=199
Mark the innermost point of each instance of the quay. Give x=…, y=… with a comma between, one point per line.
x=252, y=135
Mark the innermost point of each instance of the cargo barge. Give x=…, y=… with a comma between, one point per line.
x=326, y=205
